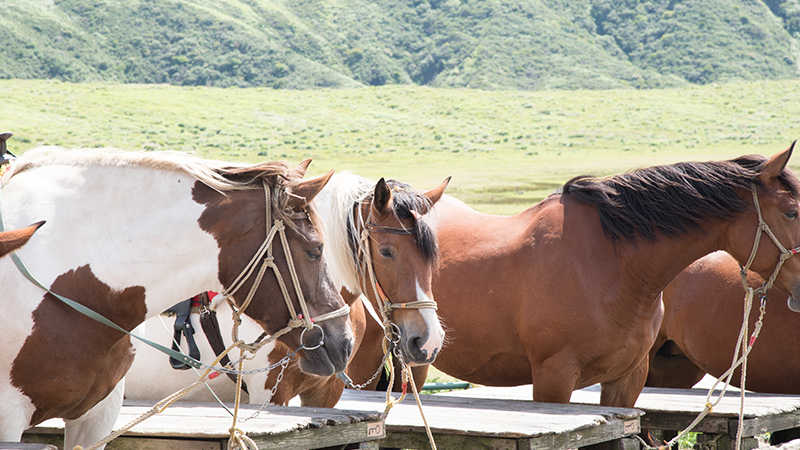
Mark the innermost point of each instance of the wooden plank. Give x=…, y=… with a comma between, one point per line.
x=130, y=443
x=461, y=421
x=675, y=409
x=26, y=446
x=340, y=434
x=273, y=427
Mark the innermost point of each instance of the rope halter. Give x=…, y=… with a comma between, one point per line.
x=785, y=253
x=386, y=306
x=265, y=259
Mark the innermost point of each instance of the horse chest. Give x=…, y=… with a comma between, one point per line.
x=68, y=362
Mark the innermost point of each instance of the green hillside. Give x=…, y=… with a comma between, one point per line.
x=485, y=44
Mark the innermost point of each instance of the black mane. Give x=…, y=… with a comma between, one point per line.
x=672, y=199
x=404, y=200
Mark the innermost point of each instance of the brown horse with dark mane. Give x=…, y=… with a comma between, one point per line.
x=567, y=293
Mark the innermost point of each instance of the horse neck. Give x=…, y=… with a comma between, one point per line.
x=335, y=206
x=655, y=263
x=130, y=225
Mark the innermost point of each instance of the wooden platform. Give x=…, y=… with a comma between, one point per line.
x=675, y=409
x=468, y=423
x=203, y=426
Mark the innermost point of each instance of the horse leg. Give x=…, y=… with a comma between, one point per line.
x=97, y=423
x=624, y=391
x=553, y=381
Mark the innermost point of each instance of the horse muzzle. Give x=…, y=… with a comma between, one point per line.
x=329, y=356
x=421, y=349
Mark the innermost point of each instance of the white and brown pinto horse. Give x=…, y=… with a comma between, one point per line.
x=126, y=235
x=402, y=250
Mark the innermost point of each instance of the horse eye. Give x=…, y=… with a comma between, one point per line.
x=386, y=253
x=315, y=253
x=792, y=214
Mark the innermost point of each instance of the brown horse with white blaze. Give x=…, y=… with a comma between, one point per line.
x=567, y=293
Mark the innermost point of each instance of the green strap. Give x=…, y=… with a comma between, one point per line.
x=188, y=360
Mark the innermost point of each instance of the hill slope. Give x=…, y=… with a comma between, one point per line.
x=491, y=44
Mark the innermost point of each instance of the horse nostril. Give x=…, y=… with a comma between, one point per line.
x=416, y=344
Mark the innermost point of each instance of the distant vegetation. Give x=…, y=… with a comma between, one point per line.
x=506, y=150
x=484, y=44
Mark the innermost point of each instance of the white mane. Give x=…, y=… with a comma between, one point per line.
x=334, y=204
x=204, y=170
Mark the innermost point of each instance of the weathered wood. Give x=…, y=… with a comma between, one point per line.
x=207, y=425
x=310, y=438
x=675, y=409
x=473, y=423
x=724, y=442
x=26, y=446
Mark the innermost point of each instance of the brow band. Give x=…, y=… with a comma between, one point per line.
x=393, y=230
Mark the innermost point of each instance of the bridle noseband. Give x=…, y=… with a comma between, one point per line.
x=264, y=257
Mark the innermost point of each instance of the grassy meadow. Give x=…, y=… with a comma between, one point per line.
x=505, y=149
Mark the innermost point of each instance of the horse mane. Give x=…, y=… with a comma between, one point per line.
x=219, y=175
x=672, y=199
x=337, y=205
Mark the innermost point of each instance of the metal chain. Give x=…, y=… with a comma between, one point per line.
x=283, y=363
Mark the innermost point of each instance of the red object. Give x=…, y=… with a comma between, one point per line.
x=213, y=375
x=196, y=299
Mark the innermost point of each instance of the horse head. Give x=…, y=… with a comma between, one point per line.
x=772, y=235
x=403, y=253
x=297, y=301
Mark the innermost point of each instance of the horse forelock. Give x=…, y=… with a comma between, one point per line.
x=672, y=199
x=339, y=205
x=404, y=201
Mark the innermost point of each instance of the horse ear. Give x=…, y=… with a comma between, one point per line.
x=306, y=190
x=382, y=198
x=436, y=193
x=775, y=165
x=14, y=239
x=304, y=165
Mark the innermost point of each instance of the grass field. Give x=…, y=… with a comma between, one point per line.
x=505, y=149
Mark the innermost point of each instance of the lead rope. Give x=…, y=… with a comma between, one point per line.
x=160, y=406
x=238, y=439
x=741, y=344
